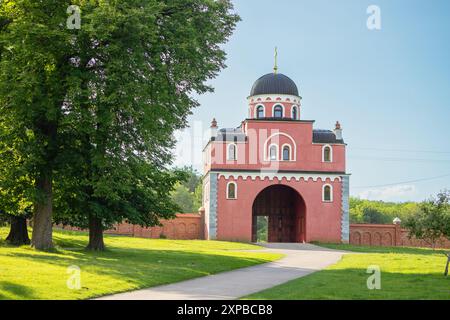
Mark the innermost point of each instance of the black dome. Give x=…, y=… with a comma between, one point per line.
x=274, y=83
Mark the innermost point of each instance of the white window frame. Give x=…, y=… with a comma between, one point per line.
x=277, y=158
x=323, y=192
x=282, y=108
x=256, y=110
x=290, y=152
x=331, y=153
x=235, y=151
x=235, y=190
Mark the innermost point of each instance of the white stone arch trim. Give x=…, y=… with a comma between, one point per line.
x=294, y=145
x=291, y=158
x=331, y=192
x=255, y=115
x=276, y=104
x=235, y=190
x=235, y=151
x=323, y=153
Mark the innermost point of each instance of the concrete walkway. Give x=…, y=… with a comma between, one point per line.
x=300, y=260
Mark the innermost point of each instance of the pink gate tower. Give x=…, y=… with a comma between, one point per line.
x=277, y=168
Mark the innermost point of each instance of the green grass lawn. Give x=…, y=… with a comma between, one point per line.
x=128, y=264
x=406, y=273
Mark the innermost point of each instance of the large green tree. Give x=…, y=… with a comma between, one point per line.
x=34, y=71
x=14, y=209
x=90, y=112
x=139, y=63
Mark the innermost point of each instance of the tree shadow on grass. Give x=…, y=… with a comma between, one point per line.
x=144, y=268
x=70, y=239
x=141, y=267
x=17, y=290
x=134, y=255
x=60, y=240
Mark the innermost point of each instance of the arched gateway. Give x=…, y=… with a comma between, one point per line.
x=275, y=177
x=284, y=211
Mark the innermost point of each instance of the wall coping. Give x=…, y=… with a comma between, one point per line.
x=186, y=215
x=370, y=225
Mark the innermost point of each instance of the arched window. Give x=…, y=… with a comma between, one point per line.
x=273, y=152
x=232, y=152
x=327, y=193
x=327, y=154
x=231, y=190
x=286, y=153
x=260, y=112
x=272, y=141
x=278, y=111
x=294, y=113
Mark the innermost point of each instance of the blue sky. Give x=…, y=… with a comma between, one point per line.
x=389, y=88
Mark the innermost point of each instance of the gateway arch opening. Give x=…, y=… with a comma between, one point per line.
x=285, y=212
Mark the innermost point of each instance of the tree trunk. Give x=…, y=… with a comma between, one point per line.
x=18, y=234
x=448, y=262
x=42, y=215
x=95, y=234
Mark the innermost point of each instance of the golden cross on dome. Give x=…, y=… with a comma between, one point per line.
x=275, y=67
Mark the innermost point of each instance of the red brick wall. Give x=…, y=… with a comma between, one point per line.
x=184, y=226
x=191, y=226
x=386, y=235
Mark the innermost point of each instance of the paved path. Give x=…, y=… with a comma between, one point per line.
x=300, y=260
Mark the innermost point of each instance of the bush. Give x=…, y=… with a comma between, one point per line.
x=432, y=222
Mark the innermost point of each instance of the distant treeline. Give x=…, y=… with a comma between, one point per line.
x=188, y=193
x=367, y=211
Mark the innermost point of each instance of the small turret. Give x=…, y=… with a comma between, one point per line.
x=213, y=128
x=338, y=131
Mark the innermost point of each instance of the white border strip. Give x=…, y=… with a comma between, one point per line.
x=272, y=175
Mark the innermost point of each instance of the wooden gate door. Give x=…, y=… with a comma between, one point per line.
x=280, y=204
